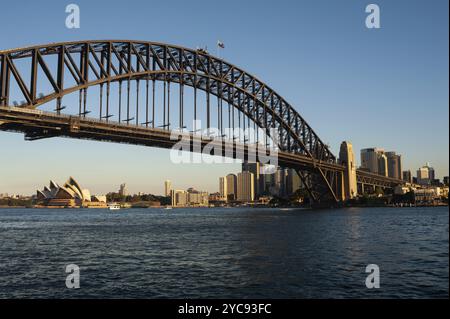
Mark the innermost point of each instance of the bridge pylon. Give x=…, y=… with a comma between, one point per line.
x=347, y=159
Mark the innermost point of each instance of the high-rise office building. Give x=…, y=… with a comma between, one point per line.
x=425, y=175
x=280, y=182
x=347, y=158
x=167, y=188
x=268, y=182
x=374, y=160
x=293, y=182
x=255, y=169
x=431, y=173
x=407, y=176
x=394, y=164
x=245, y=187
x=382, y=164
x=223, y=189
x=369, y=159
x=231, y=187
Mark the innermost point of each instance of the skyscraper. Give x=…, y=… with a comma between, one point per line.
x=167, y=188
x=280, y=183
x=369, y=159
x=382, y=164
x=223, y=189
x=374, y=160
x=425, y=175
x=231, y=187
x=255, y=169
x=293, y=182
x=245, y=187
x=407, y=176
x=394, y=164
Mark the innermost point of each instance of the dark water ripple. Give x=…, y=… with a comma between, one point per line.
x=225, y=253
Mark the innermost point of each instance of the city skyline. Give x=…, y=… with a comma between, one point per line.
x=376, y=88
x=167, y=183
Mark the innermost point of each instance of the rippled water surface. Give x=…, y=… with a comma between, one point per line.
x=224, y=253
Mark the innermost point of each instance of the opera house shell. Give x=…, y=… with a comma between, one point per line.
x=69, y=195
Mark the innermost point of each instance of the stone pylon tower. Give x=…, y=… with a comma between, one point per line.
x=347, y=158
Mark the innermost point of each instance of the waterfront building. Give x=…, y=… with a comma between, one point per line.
x=347, y=158
x=215, y=197
x=402, y=190
x=167, y=188
x=407, y=176
x=179, y=198
x=231, y=187
x=245, y=185
x=394, y=165
x=196, y=198
x=189, y=198
x=69, y=195
x=426, y=195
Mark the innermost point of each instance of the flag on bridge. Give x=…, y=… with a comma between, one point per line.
x=220, y=44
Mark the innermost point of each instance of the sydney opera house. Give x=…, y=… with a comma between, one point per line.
x=69, y=195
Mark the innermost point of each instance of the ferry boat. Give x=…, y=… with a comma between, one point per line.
x=113, y=206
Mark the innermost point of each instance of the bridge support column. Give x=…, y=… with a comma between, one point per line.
x=347, y=158
x=341, y=186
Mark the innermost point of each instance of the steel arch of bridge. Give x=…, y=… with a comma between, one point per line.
x=105, y=62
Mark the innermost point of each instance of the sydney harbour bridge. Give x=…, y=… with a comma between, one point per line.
x=136, y=92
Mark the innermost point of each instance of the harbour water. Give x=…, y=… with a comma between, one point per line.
x=225, y=253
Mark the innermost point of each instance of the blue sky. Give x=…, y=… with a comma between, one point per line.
x=385, y=87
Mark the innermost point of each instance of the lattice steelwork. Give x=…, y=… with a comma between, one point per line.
x=102, y=63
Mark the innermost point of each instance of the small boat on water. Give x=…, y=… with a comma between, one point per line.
x=113, y=206
x=168, y=207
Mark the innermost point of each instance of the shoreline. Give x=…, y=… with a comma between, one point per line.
x=230, y=207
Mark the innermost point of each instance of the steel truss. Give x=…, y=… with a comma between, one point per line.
x=101, y=63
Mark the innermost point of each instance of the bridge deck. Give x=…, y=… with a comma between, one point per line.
x=38, y=124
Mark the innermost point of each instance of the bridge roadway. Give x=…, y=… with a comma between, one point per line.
x=37, y=124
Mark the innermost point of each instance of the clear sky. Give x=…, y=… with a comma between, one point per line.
x=386, y=87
